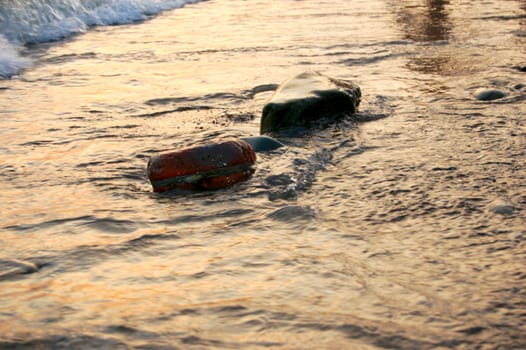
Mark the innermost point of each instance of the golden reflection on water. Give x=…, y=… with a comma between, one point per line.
x=434, y=21
x=392, y=247
x=423, y=21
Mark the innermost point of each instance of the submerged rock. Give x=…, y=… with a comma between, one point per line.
x=262, y=143
x=308, y=97
x=502, y=207
x=490, y=95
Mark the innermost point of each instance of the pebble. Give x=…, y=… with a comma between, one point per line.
x=490, y=95
x=503, y=208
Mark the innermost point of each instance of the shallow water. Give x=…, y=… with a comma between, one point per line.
x=405, y=232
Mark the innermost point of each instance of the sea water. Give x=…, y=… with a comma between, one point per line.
x=36, y=21
x=402, y=227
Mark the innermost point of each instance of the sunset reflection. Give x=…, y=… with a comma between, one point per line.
x=425, y=20
x=400, y=226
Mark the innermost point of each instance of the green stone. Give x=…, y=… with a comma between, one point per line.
x=490, y=95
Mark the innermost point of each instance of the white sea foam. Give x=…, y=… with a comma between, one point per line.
x=33, y=21
x=11, y=62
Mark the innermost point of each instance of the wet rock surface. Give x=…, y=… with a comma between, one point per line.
x=490, y=94
x=503, y=207
x=307, y=98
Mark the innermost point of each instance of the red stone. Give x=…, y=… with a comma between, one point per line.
x=212, y=166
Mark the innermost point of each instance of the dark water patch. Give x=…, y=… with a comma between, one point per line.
x=369, y=44
x=125, y=126
x=370, y=59
x=65, y=342
x=364, y=117
x=147, y=240
x=199, y=341
x=293, y=213
x=177, y=100
x=119, y=161
x=12, y=268
x=86, y=256
x=230, y=213
x=68, y=58
x=99, y=134
x=49, y=224
x=80, y=118
x=132, y=332
x=229, y=309
x=503, y=18
x=242, y=50
x=236, y=312
x=450, y=168
x=109, y=182
x=194, y=340
x=234, y=213
x=202, y=102
x=174, y=110
x=37, y=143
x=472, y=330
x=89, y=164
x=382, y=337
x=112, y=225
x=7, y=171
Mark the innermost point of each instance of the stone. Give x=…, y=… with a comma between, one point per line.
x=490, y=95
x=502, y=207
x=307, y=98
x=206, y=167
x=262, y=143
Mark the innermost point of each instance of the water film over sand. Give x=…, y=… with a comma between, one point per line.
x=402, y=227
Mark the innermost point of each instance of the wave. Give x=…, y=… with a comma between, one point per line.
x=11, y=62
x=25, y=22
